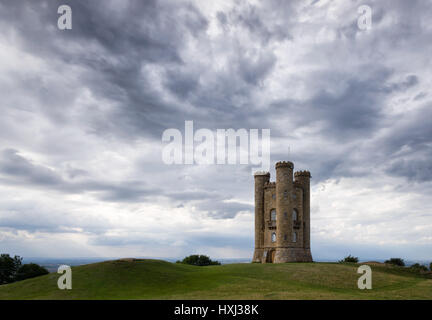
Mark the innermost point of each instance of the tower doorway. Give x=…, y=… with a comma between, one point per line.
x=270, y=256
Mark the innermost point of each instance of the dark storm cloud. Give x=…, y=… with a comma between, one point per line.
x=17, y=170
x=16, y=166
x=266, y=22
x=408, y=148
x=113, y=45
x=122, y=39
x=180, y=82
x=413, y=170
x=355, y=111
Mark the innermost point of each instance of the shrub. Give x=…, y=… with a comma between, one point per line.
x=349, y=259
x=9, y=267
x=396, y=261
x=30, y=270
x=198, y=260
x=418, y=267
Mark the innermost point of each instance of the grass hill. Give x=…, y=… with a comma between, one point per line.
x=156, y=279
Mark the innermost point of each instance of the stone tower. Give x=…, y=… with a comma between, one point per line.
x=282, y=216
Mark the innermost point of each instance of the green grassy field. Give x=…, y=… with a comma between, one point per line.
x=156, y=279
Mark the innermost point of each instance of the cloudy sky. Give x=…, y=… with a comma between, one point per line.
x=83, y=112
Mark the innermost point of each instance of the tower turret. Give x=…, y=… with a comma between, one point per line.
x=261, y=178
x=284, y=188
x=303, y=178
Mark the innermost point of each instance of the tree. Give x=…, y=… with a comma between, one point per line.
x=9, y=267
x=430, y=266
x=30, y=270
x=396, y=261
x=349, y=259
x=418, y=267
x=199, y=260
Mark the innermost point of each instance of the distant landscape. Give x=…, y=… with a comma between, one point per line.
x=52, y=264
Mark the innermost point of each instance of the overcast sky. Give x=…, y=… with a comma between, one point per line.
x=83, y=112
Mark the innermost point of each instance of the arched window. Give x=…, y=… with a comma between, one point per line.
x=294, y=236
x=273, y=238
x=294, y=215
x=273, y=215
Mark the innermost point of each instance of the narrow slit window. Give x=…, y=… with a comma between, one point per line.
x=273, y=215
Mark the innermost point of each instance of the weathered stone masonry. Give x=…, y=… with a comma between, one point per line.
x=282, y=216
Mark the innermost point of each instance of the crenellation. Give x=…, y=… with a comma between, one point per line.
x=270, y=185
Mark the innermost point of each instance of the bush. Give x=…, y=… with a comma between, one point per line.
x=198, y=260
x=30, y=270
x=12, y=269
x=8, y=268
x=396, y=261
x=349, y=259
x=430, y=266
x=418, y=267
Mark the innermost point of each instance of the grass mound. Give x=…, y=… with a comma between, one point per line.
x=157, y=279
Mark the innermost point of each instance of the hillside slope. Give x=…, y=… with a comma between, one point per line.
x=156, y=279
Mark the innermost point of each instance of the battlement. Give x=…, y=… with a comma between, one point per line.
x=270, y=185
x=304, y=173
x=281, y=164
x=262, y=173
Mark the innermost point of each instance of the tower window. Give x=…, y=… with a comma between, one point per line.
x=285, y=194
x=273, y=196
x=273, y=237
x=294, y=236
x=285, y=215
x=294, y=196
x=285, y=237
x=294, y=215
x=273, y=215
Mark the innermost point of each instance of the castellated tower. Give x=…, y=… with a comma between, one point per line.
x=282, y=216
x=261, y=178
